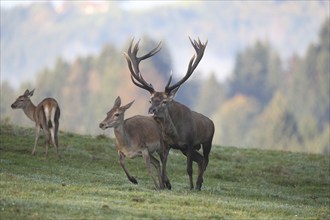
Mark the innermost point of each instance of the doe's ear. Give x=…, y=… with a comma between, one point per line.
x=173, y=92
x=117, y=102
x=26, y=93
x=125, y=107
x=31, y=93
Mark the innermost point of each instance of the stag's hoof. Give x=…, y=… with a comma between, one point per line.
x=133, y=180
x=199, y=184
x=168, y=185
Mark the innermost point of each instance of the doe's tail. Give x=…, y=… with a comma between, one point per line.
x=52, y=116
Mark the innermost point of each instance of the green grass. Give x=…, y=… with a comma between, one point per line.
x=88, y=183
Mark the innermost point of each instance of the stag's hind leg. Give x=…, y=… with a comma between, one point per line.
x=198, y=158
x=122, y=164
x=206, y=151
x=188, y=152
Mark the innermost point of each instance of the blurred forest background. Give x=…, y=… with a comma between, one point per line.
x=264, y=78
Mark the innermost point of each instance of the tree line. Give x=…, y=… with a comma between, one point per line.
x=266, y=103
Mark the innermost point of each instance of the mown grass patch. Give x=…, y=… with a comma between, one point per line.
x=87, y=182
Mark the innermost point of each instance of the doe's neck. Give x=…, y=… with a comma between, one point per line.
x=29, y=110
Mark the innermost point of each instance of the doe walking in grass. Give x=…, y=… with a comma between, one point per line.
x=138, y=136
x=46, y=115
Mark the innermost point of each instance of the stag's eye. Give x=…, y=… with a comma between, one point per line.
x=164, y=102
x=117, y=114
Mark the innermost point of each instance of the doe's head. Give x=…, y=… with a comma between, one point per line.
x=115, y=116
x=22, y=100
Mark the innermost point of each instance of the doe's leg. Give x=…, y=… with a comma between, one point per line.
x=122, y=164
x=56, y=137
x=52, y=134
x=48, y=137
x=146, y=157
x=37, y=130
x=156, y=164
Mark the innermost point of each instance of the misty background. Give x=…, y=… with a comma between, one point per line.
x=263, y=80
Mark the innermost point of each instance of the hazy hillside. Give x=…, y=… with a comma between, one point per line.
x=33, y=36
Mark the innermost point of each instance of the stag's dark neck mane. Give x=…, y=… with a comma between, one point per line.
x=170, y=124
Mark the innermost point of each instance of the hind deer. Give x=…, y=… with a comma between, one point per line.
x=46, y=115
x=138, y=136
x=182, y=128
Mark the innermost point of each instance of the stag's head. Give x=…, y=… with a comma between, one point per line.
x=22, y=100
x=160, y=100
x=115, y=116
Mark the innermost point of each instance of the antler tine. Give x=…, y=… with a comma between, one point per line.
x=133, y=62
x=169, y=80
x=193, y=63
x=136, y=83
x=137, y=79
x=153, y=52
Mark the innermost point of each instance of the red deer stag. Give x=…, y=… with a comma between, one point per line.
x=137, y=136
x=182, y=128
x=46, y=115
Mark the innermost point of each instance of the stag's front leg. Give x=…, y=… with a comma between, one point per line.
x=122, y=163
x=163, y=157
x=37, y=130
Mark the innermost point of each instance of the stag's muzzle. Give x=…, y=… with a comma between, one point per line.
x=152, y=110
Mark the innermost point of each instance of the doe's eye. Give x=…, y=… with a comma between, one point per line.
x=117, y=114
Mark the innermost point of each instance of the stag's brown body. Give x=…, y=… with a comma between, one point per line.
x=182, y=128
x=46, y=115
x=200, y=129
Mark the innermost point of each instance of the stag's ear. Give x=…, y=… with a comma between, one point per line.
x=125, y=107
x=172, y=93
x=117, y=102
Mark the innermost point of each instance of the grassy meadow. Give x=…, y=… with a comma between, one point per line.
x=87, y=182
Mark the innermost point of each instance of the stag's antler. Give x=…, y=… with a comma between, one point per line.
x=199, y=48
x=133, y=64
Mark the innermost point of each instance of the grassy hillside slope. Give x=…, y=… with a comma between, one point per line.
x=88, y=183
